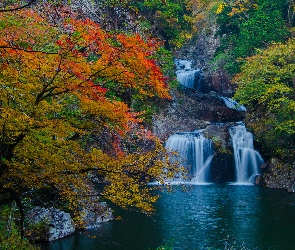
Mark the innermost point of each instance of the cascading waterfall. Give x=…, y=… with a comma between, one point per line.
x=195, y=153
x=187, y=76
x=247, y=160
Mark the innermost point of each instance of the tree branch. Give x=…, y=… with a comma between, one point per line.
x=18, y=8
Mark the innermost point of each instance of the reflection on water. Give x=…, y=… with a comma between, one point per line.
x=203, y=217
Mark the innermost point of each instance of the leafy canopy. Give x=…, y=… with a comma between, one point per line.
x=266, y=85
x=246, y=25
x=58, y=120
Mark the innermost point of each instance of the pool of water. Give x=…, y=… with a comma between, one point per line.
x=199, y=217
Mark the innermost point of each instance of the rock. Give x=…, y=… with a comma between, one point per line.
x=201, y=51
x=94, y=215
x=48, y=224
x=276, y=174
x=219, y=81
x=220, y=136
x=223, y=166
x=191, y=110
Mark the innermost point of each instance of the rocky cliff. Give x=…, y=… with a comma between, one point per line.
x=191, y=110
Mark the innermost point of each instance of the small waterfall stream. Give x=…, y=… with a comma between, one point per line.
x=195, y=153
x=188, y=77
x=230, y=103
x=247, y=160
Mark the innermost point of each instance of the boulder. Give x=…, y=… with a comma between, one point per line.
x=48, y=224
x=277, y=174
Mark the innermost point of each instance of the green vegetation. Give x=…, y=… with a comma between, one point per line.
x=171, y=20
x=10, y=238
x=256, y=52
x=246, y=26
x=266, y=85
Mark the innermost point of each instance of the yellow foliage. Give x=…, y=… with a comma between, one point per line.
x=220, y=8
x=53, y=85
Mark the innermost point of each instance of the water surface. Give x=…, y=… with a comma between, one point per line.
x=202, y=217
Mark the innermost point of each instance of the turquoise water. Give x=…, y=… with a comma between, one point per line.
x=202, y=217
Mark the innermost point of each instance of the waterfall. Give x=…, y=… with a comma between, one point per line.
x=188, y=77
x=230, y=103
x=195, y=153
x=183, y=64
x=247, y=160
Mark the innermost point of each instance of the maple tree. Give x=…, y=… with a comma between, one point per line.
x=56, y=84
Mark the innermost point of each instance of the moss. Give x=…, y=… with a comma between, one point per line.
x=219, y=146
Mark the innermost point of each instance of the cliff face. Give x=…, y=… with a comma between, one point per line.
x=190, y=110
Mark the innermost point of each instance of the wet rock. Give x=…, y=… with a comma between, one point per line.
x=219, y=81
x=190, y=111
x=223, y=167
x=220, y=136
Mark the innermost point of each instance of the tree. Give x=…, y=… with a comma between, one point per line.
x=266, y=86
x=171, y=20
x=54, y=92
x=204, y=12
x=18, y=5
x=246, y=25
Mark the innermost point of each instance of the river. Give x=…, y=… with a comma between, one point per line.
x=199, y=217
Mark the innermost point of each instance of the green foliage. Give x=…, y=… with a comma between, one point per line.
x=266, y=85
x=38, y=231
x=10, y=238
x=167, y=246
x=164, y=58
x=170, y=19
x=246, y=26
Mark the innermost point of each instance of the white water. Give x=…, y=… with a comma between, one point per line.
x=247, y=160
x=183, y=64
x=230, y=103
x=195, y=153
x=186, y=75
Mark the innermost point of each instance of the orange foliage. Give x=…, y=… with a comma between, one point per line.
x=54, y=89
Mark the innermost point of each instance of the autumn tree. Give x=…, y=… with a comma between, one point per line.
x=203, y=12
x=266, y=86
x=56, y=107
x=14, y=5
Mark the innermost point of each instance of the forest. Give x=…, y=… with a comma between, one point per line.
x=78, y=91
